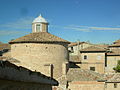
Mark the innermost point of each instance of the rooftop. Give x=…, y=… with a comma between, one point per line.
x=8, y=69
x=114, y=52
x=114, y=78
x=74, y=58
x=39, y=37
x=76, y=43
x=4, y=46
x=93, y=49
x=75, y=74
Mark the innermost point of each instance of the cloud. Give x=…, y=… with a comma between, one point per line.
x=78, y=29
x=11, y=32
x=22, y=23
x=103, y=28
x=71, y=27
x=86, y=28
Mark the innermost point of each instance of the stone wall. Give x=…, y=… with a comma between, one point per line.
x=40, y=57
x=86, y=85
x=96, y=60
x=111, y=63
x=111, y=86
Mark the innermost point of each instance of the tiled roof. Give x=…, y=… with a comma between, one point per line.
x=8, y=69
x=83, y=75
x=4, y=46
x=76, y=43
x=93, y=48
x=39, y=37
x=115, y=78
x=102, y=46
x=74, y=58
x=117, y=41
x=114, y=52
x=115, y=45
x=72, y=44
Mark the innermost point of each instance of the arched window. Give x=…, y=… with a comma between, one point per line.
x=38, y=28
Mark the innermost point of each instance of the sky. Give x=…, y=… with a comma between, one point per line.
x=96, y=21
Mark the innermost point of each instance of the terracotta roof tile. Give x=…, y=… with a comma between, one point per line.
x=115, y=78
x=93, y=48
x=72, y=44
x=38, y=38
x=115, y=45
x=20, y=71
x=83, y=75
x=74, y=58
x=114, y=52
x=4, y=46
x=76, y=43
x=117, y=41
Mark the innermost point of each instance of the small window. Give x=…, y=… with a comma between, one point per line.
x=85, y=57
x=72, y=48
x=115, y=85
x=38, y=27
x=92, y=68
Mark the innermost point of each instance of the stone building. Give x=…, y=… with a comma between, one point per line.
x=74, y=47
x=4, y=48
x=13, y=77
x=79, y=79
x=41, y=51
x=113, y=83
x=93, y=58
x=113, y=56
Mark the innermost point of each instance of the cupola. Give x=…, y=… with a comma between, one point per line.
x=39, y=24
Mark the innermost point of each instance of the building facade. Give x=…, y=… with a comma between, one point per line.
x=41, y=51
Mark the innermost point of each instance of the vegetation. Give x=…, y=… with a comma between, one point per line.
x=117, y=68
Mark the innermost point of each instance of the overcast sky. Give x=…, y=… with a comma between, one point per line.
x=97, y=21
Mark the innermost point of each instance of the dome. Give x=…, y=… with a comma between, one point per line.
x=39, y=19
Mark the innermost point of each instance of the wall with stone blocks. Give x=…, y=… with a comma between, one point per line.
x=39, y=56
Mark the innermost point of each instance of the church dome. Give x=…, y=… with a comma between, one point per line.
x=39, y=19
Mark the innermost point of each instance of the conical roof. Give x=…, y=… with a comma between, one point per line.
x=39, y=37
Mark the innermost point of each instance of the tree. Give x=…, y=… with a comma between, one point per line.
x=117, y=68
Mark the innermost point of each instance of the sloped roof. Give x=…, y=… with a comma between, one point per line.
x=4, y=46
x=114, y=52
x=39, y=37
x=72, y=44
x=115, y=78
x=74, y=58
x=102, y=46
x=83, y=75
x=23, y=74
x=76, y=43
x=117, y=41
x=93, y=48
x=115, y=45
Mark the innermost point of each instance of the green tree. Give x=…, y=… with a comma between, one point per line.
x=117, y=68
